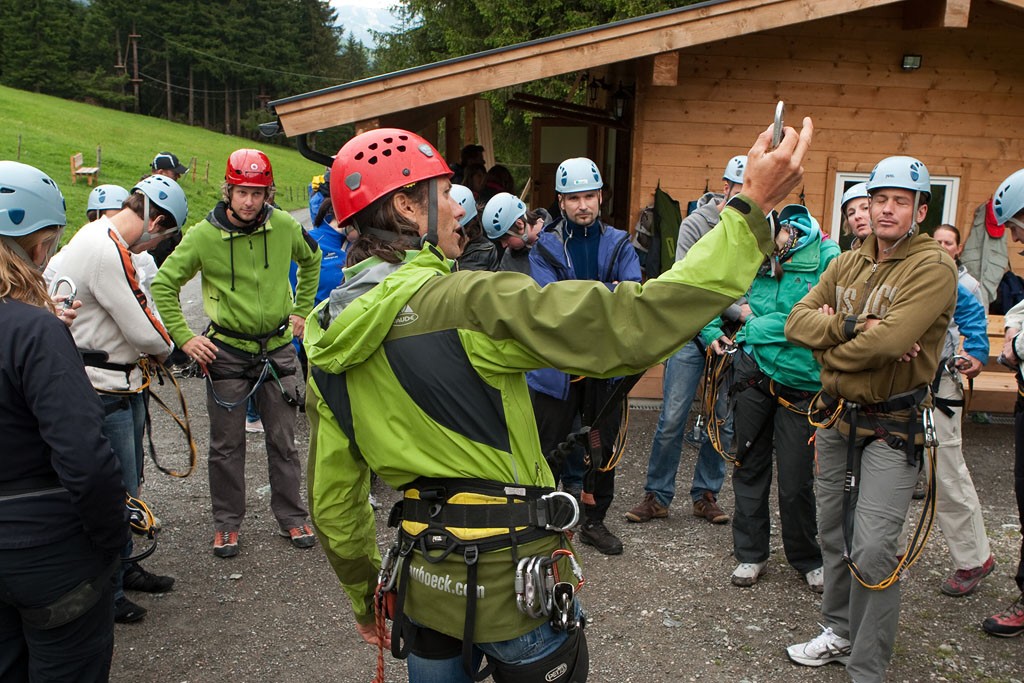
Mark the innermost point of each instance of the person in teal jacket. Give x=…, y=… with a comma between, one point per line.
x=418, y=373
x=774, y=383
x=244, y=249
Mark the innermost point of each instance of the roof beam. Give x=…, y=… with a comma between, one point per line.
x=919, y=14
x=621, y=41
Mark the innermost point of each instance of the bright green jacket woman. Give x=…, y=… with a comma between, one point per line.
x=442, y=358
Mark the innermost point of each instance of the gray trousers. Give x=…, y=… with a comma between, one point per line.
x=763, y=427
x=227, y=440
x=869, y=618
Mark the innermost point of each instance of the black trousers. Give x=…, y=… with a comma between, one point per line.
x=555, y=420
x=764, y=429
x=36, y=577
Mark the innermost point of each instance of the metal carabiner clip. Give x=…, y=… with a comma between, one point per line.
x=388, y=574
x=68, y=300
x=931, y=439
x=550, y=497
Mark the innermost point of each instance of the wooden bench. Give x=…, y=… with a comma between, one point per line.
x=77, y=169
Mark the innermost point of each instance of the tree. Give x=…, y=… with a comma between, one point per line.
x=39, y=41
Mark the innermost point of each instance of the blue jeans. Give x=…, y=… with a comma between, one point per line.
x=683, y=372
x=124, y=428
x=529, y=647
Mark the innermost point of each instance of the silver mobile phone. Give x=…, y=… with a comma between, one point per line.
x=777, y=130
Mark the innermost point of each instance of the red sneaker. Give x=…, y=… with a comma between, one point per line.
x=225, y=543
x=964, y=581
x=301, y=536
x=1009, y=622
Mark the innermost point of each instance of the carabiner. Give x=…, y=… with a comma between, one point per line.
x=68, y=300
x=550, y=497
x=931, y=439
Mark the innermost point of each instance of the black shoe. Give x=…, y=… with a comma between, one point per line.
x=138, y=579
x=126, y=611
x=597, y=535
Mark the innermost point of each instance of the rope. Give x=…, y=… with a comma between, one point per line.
x=184, y=423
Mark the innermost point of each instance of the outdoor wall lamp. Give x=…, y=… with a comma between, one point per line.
x=911, y=62
x=620, y=97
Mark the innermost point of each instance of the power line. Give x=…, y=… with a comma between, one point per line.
x=330, y=79
x=184, y=89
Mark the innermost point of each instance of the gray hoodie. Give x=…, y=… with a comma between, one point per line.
x=698, y=223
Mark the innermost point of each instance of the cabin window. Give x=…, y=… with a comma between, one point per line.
x=941, y=208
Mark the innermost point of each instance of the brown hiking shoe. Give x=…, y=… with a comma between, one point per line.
x=707, y=507
x=648, y=509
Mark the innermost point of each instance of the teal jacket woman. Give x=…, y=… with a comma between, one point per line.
x=781, y=282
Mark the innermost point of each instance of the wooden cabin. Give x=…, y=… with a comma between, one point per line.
x=673, y=95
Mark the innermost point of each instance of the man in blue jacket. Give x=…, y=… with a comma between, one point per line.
x=579, y=246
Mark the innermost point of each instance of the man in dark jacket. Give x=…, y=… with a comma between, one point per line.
x=578, y=246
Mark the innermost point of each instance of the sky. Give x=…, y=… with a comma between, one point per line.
x=359, y=16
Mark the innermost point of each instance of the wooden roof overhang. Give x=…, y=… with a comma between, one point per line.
x=433, y=88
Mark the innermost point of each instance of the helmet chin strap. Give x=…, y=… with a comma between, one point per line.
x=431, y=236
x=20, y=251
x=146, y=235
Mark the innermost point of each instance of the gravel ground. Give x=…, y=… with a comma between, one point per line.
x=664, y=611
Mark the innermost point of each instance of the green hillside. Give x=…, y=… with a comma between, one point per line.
x=51, y=130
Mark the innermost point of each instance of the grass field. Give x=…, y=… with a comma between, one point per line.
x=45, y=131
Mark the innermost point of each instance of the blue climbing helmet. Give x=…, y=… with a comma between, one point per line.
x=902, y=172
x=1008, y=200
x=463, y=196
x=29, y=200
x=735, y=168
x=578, y=174
x=166, y=194
x=106, y=197
x=858, y=191
x=501, y=213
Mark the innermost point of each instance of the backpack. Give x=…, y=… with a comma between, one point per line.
x=1009, y=292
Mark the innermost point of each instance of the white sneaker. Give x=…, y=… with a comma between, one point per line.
x=747, y=573
x=816, y=580
x=254, y=427
x=827, y=647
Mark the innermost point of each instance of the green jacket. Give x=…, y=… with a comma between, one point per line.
x=912, y=293
x=245, y=278
x=770, y=300
x=430, y=368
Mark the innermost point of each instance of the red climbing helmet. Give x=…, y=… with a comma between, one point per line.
x=377, y=162
x=249, y=167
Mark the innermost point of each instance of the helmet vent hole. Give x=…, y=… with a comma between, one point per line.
x=359, y=156
x=389, y=140
x=386, y=152
x=373, y=146
x=372, y=160
x=400, y=148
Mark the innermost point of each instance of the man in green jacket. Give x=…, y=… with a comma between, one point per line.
x=244, y=249
x=417, y=373
x=876, y=322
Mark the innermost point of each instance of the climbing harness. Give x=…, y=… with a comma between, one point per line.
x=439, y=518
x=589, y=434
x=920, y=419
x=267, y=368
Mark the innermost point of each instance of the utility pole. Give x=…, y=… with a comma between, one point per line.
x=133, y=38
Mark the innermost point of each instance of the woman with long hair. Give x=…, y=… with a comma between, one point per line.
x=63, y=519
x=417, y=373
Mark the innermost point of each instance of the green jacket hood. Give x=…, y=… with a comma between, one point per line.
x=345, y=329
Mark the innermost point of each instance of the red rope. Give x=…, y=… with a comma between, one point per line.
x=378, y=608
